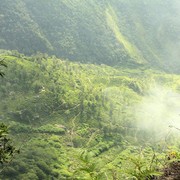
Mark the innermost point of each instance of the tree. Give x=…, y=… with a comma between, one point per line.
x=2, y=63
x=7, y=150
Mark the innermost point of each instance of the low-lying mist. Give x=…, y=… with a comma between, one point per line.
x=159, y=112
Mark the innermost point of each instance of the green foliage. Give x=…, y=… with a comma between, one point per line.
x=75, y=121
x=143, y=163
x=120, y=33
x=81, y=121
x=50, y=128
x=7, y=149
x=2, y=63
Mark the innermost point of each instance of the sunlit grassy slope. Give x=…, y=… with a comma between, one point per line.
x=130, y=48
x=85, y=121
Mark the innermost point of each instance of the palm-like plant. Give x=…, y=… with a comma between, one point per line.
x=2, y=64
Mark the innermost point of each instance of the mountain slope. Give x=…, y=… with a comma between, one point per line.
x=112, y=32
x=78, y=121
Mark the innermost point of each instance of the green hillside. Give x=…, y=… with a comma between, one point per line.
x=89, y=90
x=123, y=33
x=84, y=121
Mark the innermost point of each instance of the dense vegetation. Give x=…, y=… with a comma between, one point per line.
x=80, y=121
x=7, y=150
x=91, y=90
x=124, y=33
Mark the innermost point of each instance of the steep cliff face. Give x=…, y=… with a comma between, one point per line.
x=125, y=33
